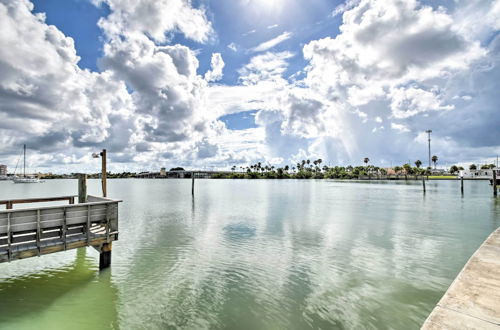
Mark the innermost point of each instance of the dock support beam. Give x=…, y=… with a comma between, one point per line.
x=105, y=256
x=462, y=185
x=423, y=183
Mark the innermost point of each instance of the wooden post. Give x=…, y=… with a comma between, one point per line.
x=104, y=173
x=105, y=256
x=82, y=188
x=192, y=183
x=423, y=182
x=495, y=182
x=462, y=184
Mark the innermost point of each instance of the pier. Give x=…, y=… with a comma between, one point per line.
x=36, y=231
x=473, y=299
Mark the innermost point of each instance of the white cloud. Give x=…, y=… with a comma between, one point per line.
x=407, y=102
x=233, y=46
x=386, y=44
x=268, y=66
x=398, y=61
x=400, y=127
x=47, y=100
x=271, y=43
x=249, y=32
x=216, y=65
x=272, y=26
x=156, y=19
x=347, y=5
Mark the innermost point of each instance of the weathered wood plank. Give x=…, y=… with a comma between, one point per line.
x=37, y=200
x=475, y=293
x=57, y=247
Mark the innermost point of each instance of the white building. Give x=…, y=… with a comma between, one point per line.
x=476, y=173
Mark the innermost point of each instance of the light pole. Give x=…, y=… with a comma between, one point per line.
x=103, y=170
x=429, y=131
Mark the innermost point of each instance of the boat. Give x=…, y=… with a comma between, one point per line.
x=24, y=178
x=4, y=177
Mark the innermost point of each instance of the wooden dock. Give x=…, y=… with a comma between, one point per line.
x=30, y=232
x=473, y=299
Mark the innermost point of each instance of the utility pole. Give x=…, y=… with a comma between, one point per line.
x=429, y=139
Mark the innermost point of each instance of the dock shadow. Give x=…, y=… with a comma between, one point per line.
x=77, y=294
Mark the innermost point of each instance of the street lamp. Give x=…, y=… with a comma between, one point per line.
x=429, y=131
x=102, y=154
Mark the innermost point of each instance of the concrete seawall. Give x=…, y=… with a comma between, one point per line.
x=473, y=299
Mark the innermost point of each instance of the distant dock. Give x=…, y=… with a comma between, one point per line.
x=473, y=299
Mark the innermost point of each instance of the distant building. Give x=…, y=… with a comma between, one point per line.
x=163, y=171
x=486, y=173
x=438, y=171
x=3, y=169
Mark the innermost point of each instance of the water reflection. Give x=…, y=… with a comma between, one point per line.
x=88, y=296
x=262, y=254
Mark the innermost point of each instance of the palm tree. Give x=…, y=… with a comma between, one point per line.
x=418, y=163
x=434, y=160
x=473, y=167
x=454, y=169
x=366, y=160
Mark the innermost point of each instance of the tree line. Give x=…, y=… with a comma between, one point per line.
x=313, y=169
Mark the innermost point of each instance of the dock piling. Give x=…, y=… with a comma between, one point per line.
x=423, y=183
x=82, y=188
x=192, y=183
x=105, y=256
x=462, y=185
x=495, y=192
x=104, y=173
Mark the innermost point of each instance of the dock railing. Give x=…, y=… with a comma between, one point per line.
x=35, y=231
x=9, y=203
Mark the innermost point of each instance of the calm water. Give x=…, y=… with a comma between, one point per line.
x=255, y=255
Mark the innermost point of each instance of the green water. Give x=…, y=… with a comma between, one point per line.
x=257, y=254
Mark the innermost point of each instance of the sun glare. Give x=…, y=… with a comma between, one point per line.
x=270, y=5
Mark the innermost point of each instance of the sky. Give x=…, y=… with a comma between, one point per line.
x=208, y=84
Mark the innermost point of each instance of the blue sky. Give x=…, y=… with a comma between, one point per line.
x=233, y=82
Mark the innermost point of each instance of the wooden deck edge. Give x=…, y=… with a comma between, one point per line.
x=95, y=242
x=471, y=300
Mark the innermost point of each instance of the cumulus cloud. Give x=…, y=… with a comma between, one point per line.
x=156, y=19
x=147, y=99
x=269, y=66
x=407, y=102
x=44, y=95
x=396, y=64
x=216, y=65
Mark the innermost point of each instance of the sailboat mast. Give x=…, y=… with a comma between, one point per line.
x=24, y=167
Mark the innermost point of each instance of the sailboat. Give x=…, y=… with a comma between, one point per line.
x=24, y=178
